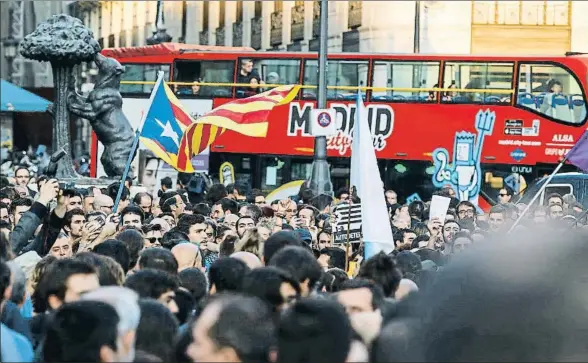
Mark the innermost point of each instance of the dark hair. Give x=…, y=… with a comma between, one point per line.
x=158, y=259
x=194, y=281
x=409, y=264
x=115, y=249
x=265, y=283
x=277, y=241
x=254, y=211
x=188, y=220
x=165, y=196
x=78, y=331
x=106, y=276
x=228, y=205
x=253, y=194
x=314, y=330
x=300, y=263
x=4, y=279
x=498, y=209
x=134, y=242
x=20, y=202
x=200, y=208
x=112, y=191
x=137, y=198
x=186, y=303
x=69, y=216
x=172, y=200
x=240, y=317
x=416, y=209
x=241, y=187
x=157, y=329
x=226, y=274
x=171, y=238
x=215, y=193
x=227, y=246
x=151, y=283
x=381, y=269
x=339, y=276
x=132, y=209
x=336, y=257
x=54, y=281
x=5, y=249
x=378, y=297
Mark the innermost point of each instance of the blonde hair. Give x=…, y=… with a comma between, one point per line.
x=251, y=242
x=38, y=272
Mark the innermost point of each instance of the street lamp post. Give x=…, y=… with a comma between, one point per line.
x=10, y=48
x=320, y=180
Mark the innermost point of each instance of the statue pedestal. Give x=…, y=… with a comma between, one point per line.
x=89, y=182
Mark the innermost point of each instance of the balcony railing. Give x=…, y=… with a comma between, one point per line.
x=354, y=17
x=276, y=28
x=122, y=39
x=298, y=23
x=220, y=36
x=135, y=36
x=204, y=37
x=256, y=26
x=237, y=34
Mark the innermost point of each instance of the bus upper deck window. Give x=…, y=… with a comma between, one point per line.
x=140, y=73
x=478, y=82
x=341, y=74
x=264, y=74
x=552, y=91
x=195, y=71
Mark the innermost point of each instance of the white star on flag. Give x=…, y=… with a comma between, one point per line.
x=168, y=131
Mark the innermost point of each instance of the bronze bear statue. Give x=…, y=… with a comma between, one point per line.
x=103, y=109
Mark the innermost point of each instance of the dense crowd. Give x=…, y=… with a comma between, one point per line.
x=224, y=276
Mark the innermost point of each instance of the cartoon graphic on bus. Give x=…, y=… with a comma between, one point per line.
x=464, y=174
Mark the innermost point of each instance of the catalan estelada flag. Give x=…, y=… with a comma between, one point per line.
x=163, y=127
x=248, y=116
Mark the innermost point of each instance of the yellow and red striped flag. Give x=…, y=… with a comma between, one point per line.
x=248, y=116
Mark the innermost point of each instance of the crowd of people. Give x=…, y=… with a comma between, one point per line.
x=233, y=278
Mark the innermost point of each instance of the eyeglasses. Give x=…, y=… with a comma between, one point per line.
x=464, y=212
x=154, y=239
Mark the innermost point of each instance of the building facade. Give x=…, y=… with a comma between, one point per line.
x=19, y=18
x=461, y=27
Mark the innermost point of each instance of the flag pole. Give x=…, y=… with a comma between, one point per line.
x=347, y=243
x=544, y=186
x=160, y=75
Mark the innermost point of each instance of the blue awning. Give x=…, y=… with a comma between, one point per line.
x=16, y=99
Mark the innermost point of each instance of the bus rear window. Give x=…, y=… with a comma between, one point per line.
x=190, y=71
x=552, y=91
x=478, y=82
x=142, y=73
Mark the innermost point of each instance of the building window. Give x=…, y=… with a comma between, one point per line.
x=481, y=82
x=258, y=9
x=239, y=11
x=405, y=75
x=544, y=13
x=278, y=6
x=221, y=12
x=205, y=15
x=552, y=91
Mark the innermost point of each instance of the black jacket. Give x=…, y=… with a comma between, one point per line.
x=23, y=237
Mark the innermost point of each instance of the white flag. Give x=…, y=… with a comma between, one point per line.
x=323, y=122
x=365, y=177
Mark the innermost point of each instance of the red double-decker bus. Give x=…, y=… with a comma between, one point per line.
x=417, y=104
